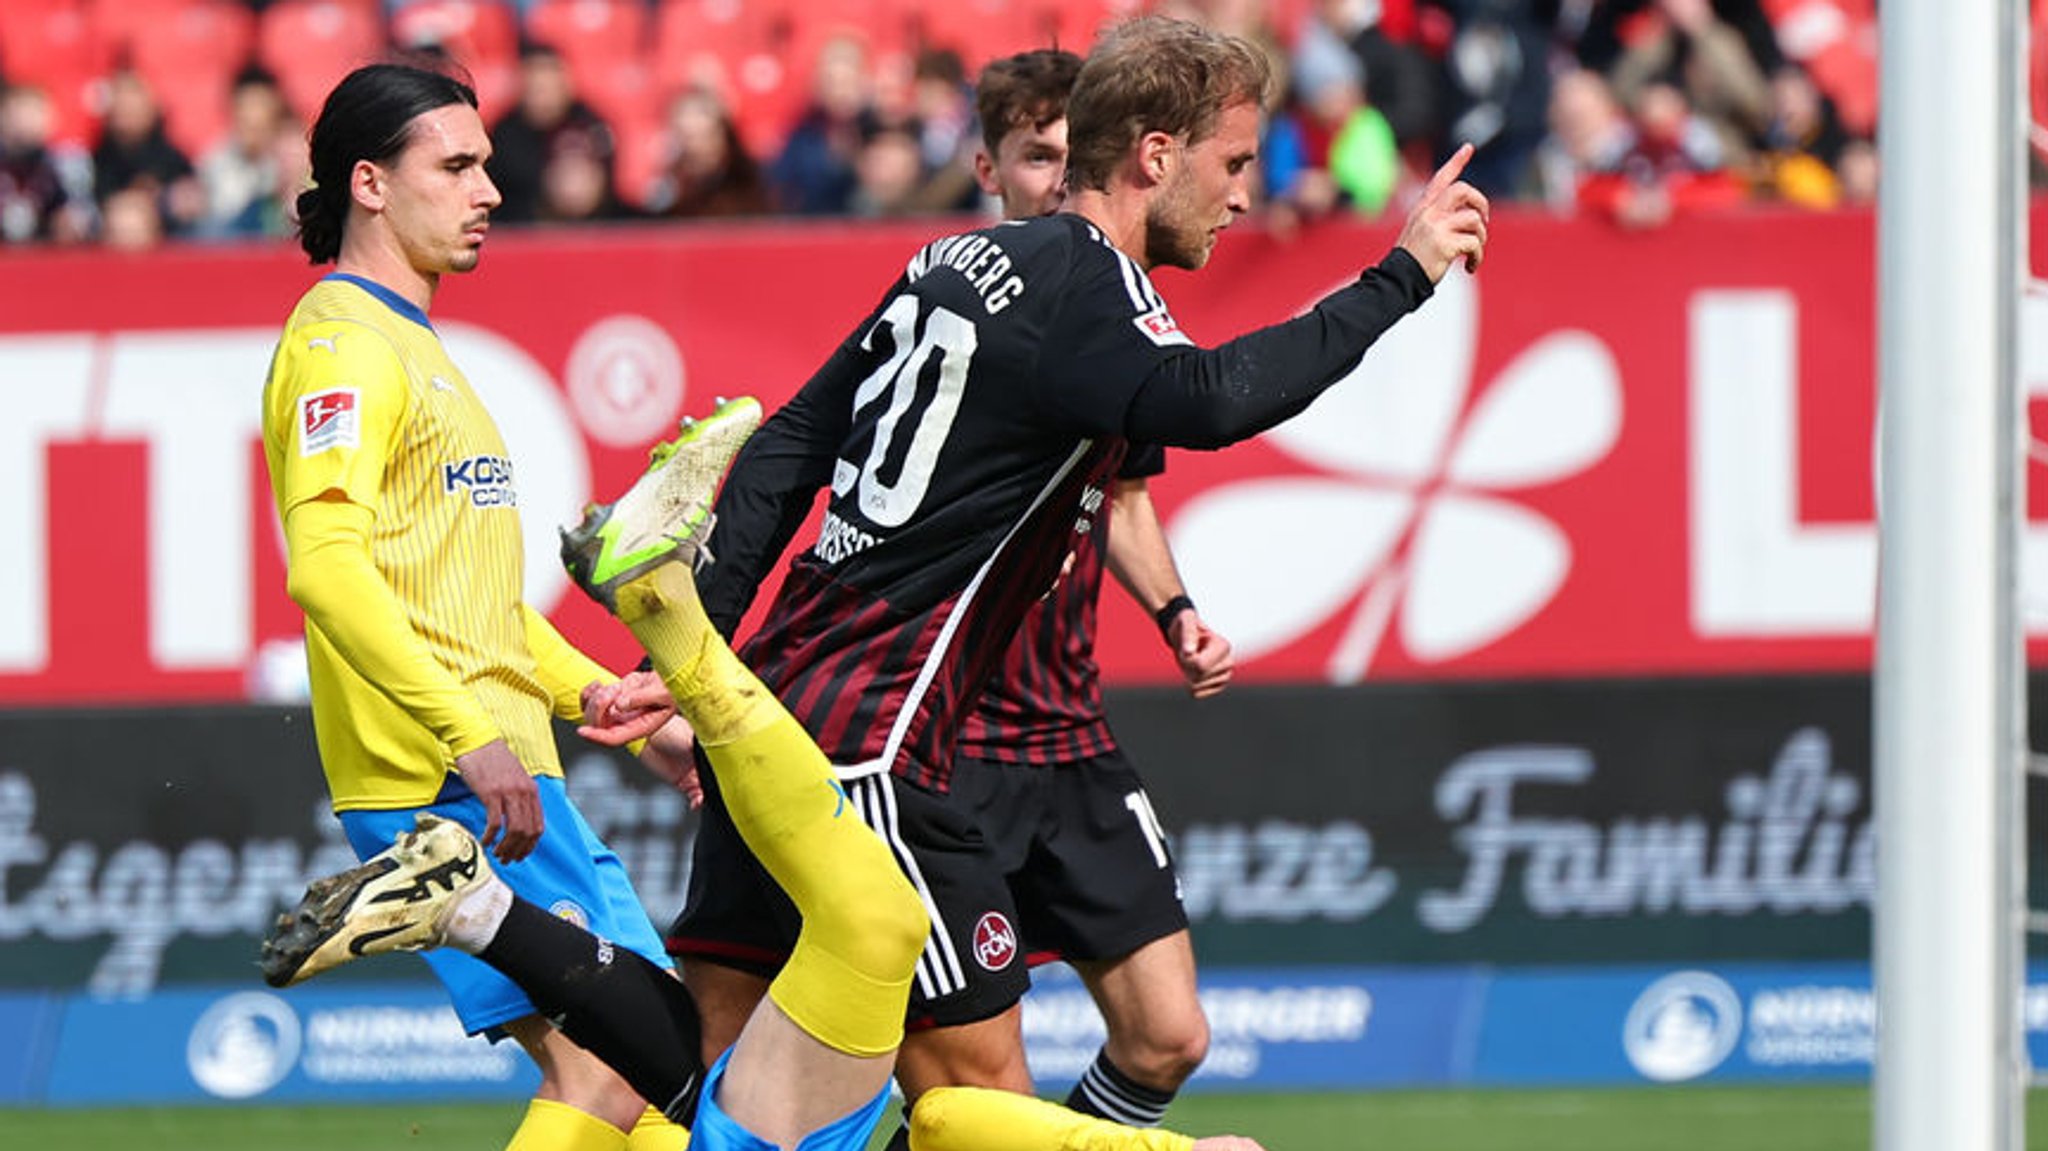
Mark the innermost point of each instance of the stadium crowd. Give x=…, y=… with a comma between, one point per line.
x=129, y=122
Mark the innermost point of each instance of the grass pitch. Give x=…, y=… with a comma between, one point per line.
x=1689, y=1118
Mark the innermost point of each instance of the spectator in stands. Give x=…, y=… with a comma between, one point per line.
x=1856, y=170
x=1401, y=80
x=1496, y=85
x=814, y=174
x=576, y=184
x=45, y=191
x=1597, y=33
x=1350, y=154
x=251, y=176
x=1686, y=45
x=889, y=170
x=1283, y=150
x=1797, y=153
x=1589, y=134
x=548, y=122
x=130, y=221
x=942, y=104
x=1673, y=164
x=134, y=153
x=709, y=172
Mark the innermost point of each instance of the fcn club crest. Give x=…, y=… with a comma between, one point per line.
x=995, y=942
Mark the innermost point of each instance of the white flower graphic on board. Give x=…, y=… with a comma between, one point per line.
x=1412, y=524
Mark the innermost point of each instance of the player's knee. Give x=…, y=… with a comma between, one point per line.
x=1167, y=1052
x=899, y=927
x=879, y=931
x=577, y=1078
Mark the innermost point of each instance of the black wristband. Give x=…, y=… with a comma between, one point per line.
x=1164, y=617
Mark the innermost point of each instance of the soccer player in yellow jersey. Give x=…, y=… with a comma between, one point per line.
x=433, y=683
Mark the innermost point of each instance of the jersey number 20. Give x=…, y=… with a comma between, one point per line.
x=952, y=338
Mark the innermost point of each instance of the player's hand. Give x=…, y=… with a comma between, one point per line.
x=1204, y=655
x=670, y=754
x=1448, y=223
x=1227, y=1143
x=634, y=707
x=512, y=816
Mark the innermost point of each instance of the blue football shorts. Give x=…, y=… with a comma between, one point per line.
x=714, y=1130
x=571, y=873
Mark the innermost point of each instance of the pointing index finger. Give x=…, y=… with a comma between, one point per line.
x=1449, y=173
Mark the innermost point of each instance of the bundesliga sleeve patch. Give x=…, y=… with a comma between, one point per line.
x=329, y=419
x=1161, y=328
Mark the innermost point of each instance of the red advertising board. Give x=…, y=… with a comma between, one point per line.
x=1607, y=453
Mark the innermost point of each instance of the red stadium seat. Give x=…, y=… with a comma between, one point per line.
x=189, y=52
x=1073, y=24
x=157, y=36
x=979, y=30
x=480, y=35
x=591, y=34
x=605, y=45
x=53, y=45
x=309, y=45
x=642, y=144
x=195, y=108
x=709, y=43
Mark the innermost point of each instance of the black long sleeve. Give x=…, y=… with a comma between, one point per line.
x=767, y=494
x=1209, y=398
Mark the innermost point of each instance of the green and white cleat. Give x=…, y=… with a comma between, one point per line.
x=400, y=899
x=665, y=517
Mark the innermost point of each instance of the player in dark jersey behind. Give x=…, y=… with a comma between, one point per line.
x=1072, y=828
x=967, y=430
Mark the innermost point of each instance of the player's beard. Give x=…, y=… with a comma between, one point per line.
x=1174, y=235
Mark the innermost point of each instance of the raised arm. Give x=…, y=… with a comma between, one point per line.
x=1209, y=398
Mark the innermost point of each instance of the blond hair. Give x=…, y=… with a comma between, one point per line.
x=1155, y=74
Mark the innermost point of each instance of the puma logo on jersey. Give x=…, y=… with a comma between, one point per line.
x=324, y=342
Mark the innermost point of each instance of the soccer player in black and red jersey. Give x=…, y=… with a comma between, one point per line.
x=967, y=431
x=1066, y=812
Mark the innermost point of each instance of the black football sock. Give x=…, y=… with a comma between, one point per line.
x=610, y=1000
x=1108, y=1093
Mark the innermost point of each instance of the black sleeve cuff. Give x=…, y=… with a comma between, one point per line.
x=1406, y=272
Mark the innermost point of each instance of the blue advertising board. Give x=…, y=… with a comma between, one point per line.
x=1728, y=1022
x=359, y=1041
x=1286, y=1028
x=1272, y=1029
x=29, y=1021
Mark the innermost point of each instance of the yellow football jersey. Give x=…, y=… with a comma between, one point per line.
x=363, y=401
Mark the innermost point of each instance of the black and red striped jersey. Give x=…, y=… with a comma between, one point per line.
x=1043, y=705
x=967, y=431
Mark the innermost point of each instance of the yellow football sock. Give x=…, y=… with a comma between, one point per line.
x=654, y=1132
x=847, y=981
x=982, y=1119
x=713, y=689
x=551, y=1125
